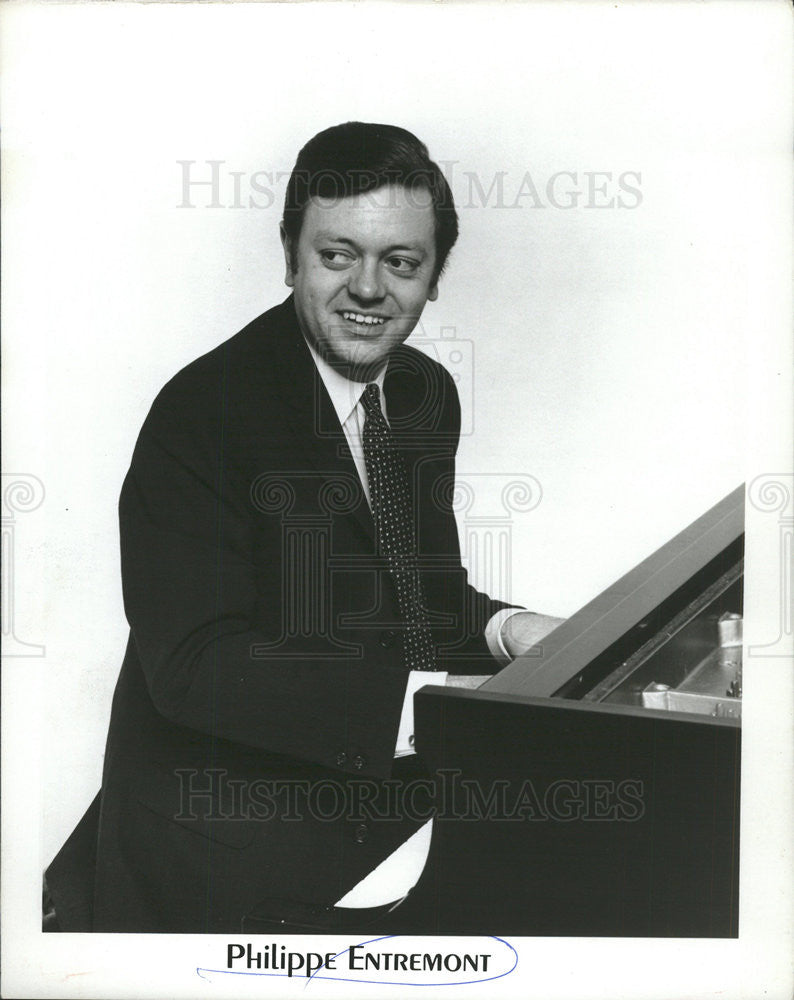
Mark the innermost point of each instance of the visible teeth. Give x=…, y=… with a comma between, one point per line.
x=366, y=320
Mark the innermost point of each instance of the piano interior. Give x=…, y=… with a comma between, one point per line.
x=692, y=664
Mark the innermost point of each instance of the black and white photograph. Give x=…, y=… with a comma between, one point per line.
x=397, y=499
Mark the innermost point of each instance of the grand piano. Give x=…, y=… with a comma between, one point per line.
x=592, y=786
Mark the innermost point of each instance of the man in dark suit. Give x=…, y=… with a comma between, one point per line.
x=291, y=573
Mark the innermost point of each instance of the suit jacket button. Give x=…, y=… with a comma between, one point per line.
x=358, y=762
x=387, y=639
x=341, y=759
x=361, y=833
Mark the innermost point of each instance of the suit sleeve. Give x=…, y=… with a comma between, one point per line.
x=192, y=601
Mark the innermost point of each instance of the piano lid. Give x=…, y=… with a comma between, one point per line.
x=587, y=648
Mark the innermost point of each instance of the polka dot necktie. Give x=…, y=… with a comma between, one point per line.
x=390, y=496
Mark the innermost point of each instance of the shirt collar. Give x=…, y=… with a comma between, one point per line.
x=344, y=392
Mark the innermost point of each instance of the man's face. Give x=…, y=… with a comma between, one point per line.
x=364, y=271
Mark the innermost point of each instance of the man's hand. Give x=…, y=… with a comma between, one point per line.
x=524, y=629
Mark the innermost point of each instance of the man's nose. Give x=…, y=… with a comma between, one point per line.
x=366, y=281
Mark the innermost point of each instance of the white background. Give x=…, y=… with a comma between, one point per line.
x=614, y=350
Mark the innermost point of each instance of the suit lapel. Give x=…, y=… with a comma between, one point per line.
x=414, y=390
x=318, y=437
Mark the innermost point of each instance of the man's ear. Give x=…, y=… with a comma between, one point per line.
x=432, y=295
x=286, y=243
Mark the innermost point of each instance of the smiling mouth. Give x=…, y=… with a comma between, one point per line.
x=363, y=319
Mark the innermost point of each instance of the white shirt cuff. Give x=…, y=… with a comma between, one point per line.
x=416, y=680
x=493, y=634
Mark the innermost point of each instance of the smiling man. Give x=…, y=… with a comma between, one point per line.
x=291, y=576
x=362, y=268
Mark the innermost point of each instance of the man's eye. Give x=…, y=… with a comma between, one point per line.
x=335, y=258
x=403, y=265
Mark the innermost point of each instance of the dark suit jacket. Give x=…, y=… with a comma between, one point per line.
x=263, y=680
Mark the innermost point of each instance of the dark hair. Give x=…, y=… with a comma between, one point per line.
x=357, y=157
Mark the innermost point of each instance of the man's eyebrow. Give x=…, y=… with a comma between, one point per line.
x=411, y=247
x=334, y=239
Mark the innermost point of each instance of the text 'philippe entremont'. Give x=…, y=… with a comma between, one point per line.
x=276, y=958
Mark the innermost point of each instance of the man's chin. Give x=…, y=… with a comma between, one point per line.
x=364, y=370
x=361, y=363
